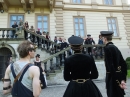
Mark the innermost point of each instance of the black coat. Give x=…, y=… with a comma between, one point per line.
x=89, y=41
x=80, y=66
x=116, y=69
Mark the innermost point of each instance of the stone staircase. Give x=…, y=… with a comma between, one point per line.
x=57, y=77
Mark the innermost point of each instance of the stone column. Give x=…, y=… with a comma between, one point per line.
x=125, y=4
x=127, y=26
x=59, y=18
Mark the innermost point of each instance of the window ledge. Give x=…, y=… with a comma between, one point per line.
x=116, y=37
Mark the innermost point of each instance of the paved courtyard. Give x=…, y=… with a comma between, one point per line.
x=58, y=91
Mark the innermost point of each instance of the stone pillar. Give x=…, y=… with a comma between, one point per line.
x=94, y=4
x=125, y=4
x=127, y=26
x=20, y=34
x=59, y=18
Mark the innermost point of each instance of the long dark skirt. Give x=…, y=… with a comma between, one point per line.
x=87, y=89
x=43, y=82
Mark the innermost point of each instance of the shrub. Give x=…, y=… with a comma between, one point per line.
x=128, y=62
x=128, y=59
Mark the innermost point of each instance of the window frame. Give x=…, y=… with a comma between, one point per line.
x=117, y=27
x=82, y=1
x=84, y=24
x=36, y=21
x=13, y=14
x=113, y=3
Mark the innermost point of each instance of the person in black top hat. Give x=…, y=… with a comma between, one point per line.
x=80, y=69
x=37, y=62
x=89, y=41
x=116, y=68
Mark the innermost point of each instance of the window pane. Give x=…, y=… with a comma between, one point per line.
x=76, y=20
x=45, y=18
x=114, y=26
x=45, y=25
x=12, y=22
x=39, y=18
x=39, y=25
x=14, y=18
x=20, y=17
x=74, y=1
x=46, y=30
x=81, y=26
x=78, y=1
x=110, y=2
x=115, y=32
x=113, y=20
x=82, y=33
x=110, y=26
x=81, y=20
x=106, y=2
x=76, y=26
x=109, y=20
x=77, y=32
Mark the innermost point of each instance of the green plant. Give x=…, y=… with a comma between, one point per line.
x=128, y=59
x=128, y=73
x=128, y=62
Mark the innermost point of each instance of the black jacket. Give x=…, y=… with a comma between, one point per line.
x=79, y=66
x=116, y=70
x=89, y=41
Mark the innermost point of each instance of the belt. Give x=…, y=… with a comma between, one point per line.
x=80, y=80
x=116, y=71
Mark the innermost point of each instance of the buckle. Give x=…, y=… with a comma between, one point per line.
x=80, y=80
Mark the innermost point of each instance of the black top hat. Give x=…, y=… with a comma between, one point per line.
x=106, y=33
x=88, y=35
x=38, y=55
x=75, y=40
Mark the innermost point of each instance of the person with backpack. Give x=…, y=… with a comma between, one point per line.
x=20, y=78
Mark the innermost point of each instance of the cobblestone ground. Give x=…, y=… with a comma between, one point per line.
x=58, y=91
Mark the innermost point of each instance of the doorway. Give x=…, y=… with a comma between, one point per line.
x=4, y=55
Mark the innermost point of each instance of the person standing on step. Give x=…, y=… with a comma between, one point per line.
x=37, y=62
x=20, y=78
x=116, y=68
x=14, y=31
x=43, y=41
x=89, y=41
x=38, y=39
x=48, y=38
x=80, y=69
x=32, y=37
x=26, y=27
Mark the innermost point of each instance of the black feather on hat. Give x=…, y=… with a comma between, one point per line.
x=38, y=55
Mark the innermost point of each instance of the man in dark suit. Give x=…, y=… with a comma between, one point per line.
x=14, y=31
x=116, y=68
x=89, y=41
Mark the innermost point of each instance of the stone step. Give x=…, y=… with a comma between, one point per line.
x=58, y=71
x=52, y=74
